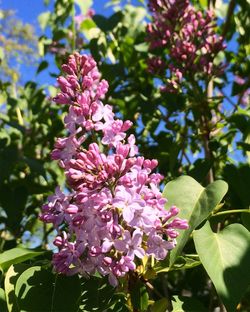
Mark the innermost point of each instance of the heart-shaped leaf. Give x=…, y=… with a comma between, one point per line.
x=226, y=258
x=37, y=289
x=195, y=203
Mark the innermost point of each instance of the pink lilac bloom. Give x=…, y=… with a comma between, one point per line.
x=114, y=214
x=188, y=38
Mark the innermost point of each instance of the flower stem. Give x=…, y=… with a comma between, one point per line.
x=231, y=211
x=73, y=27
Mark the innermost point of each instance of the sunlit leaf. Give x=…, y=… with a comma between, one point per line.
x=84, y=5
x=181, y=263
x=226, y=257
x=9, y=284
x=195, y=203
x=43, y=19
x=3, y=304
x=186, y=304
x=17, y=255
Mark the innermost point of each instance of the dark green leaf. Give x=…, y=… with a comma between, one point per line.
x=159, y=306
x=238, y=180
x=3, y=304
x=139, y=296
x=107, y=24
x=200, y=169
x=43, y=65
x=66, y=295
x=97, y=292
x=245, y=217
x=34, y=290
x=186, y=304
x=13, y=202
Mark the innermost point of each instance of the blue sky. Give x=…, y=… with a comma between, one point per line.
x=28, y=11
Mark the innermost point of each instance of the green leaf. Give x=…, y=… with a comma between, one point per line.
x=43, y=65
x=221, y=9
x=1, y=53
x=13, y=200
x=238, y=179
x=195, y=203
x=101, y=22
x=203, y=3
x=17, y=255
x=66, y=295
x=159, y=306
x=186, y=304
x=84, y=5
x=200, y=169
x=43, y=19
x=181, y=263
x=34, y=289
x=107, y=24
x=226, y=257
x=9, y=284
x=245, y=218
x=3, y=305
x=141, y=47
x=139, y=296
x=97, y=292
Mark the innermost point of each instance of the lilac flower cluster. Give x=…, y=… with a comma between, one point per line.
x=114, y=214
x=188, y=38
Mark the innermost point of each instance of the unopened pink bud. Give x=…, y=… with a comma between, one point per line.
x=126, y=125
x=107, y=261
x=72, y=209
x=62, y=98
x=58, y=241
x=174, y=210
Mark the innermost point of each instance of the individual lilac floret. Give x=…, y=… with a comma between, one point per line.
x=130, y=245
x=114, y=214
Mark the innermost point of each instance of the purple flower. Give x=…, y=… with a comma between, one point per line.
x=130, y=245
x=114, y=213
x=158, y=247
x=189, y=36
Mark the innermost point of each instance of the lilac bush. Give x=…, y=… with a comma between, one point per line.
x=190, y=40
x=114, y=214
